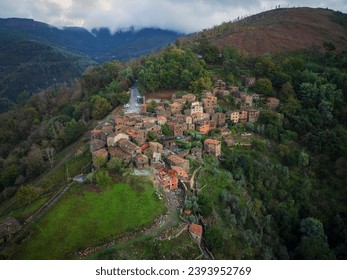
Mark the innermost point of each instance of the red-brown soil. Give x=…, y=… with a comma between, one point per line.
x=163, y=94
x=282, y=30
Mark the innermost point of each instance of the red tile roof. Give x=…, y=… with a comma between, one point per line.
x=195, y=229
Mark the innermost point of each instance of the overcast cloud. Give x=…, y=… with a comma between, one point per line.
x=180, y=15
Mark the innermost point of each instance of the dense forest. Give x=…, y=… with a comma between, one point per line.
x=286, y=197
x=41, y=126
x=282, y=198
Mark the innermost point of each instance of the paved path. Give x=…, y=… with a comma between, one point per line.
x=134, y=106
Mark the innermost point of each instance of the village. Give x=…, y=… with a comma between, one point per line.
x=166, y=136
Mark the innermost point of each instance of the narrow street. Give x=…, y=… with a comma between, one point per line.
x=134, y=107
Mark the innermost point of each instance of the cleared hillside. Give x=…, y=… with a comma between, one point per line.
x=282, y=30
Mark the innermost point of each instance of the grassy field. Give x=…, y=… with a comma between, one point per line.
x=82, y=220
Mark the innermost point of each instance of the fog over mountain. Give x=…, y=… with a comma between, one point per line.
x=179, y=15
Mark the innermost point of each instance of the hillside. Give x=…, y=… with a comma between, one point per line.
x=282, y=30
x=100, y=44
x=27, y=65
x=35, y=55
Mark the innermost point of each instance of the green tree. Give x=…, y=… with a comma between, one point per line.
x=151, y=106
x=73, y=130
x=103, y=179
x=8, y=176
x=27, y=194
x=263, y=86
x=304, y=159
x=200, y=84
x=99, y=161
x=117, y=165
x=101, y=108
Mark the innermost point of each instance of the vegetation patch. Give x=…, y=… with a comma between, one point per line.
x=79, y=221
x=181, y=248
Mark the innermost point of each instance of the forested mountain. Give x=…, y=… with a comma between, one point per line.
x=35, y=55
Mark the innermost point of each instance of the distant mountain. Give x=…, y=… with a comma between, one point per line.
x=35, y=55
x=282, y=30
x=100, y=44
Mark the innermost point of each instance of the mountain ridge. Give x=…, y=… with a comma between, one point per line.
x=280, y=30
x=36, y=55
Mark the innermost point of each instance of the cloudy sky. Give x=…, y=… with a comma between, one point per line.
x=180, y=15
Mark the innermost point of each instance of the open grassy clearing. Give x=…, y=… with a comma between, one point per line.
x=82, y=220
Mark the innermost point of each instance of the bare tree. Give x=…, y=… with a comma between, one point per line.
x=50, y=151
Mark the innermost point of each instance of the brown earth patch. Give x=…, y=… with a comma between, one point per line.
x=162, y=94
x=92, y=188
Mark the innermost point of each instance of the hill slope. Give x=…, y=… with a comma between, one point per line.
x=35, y=55
x=282, y=30
x=100, y=44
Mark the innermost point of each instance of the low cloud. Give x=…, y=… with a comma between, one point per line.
x=180, y=15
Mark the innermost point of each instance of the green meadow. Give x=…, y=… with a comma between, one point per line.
x=84, y=218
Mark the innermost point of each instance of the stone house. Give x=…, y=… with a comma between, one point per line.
x=253, y=115
x=210, y=102
x=156, y=147
x=196, y=232
x=213, y=124
x=129, y=147
x=168, y=142
x=161, y=120
x=120, y=120
x=114, y=137
x=120, y=153
x=107, y=129
x=154, y=128
x=177, y=128
x=168, y=180
x=139, y=140
x=273, y=103
x=176, y=108
x=189, y=97
x=235, y=116
x=180, y=172
x=175, y=160
x=247, y=100
x=96, y=144
x=141, y=161
x=212, y=147
x=97, y=134
x=196, y=108
x=243, y=116
x=203, y=127
x=220, y=118
x=198, y=117
x=119, y=128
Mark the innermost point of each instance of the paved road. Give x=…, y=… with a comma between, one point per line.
x=134, y=106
